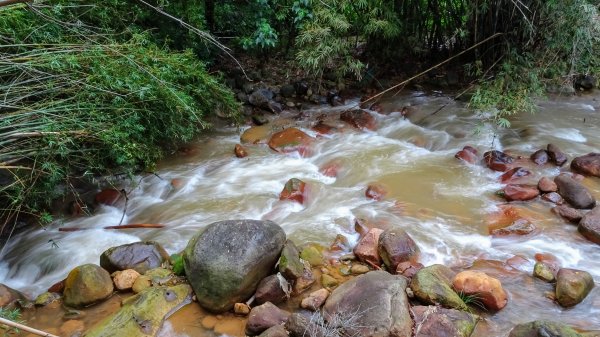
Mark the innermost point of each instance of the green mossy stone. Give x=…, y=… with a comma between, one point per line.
x=432, y=285
x=547, y=327
x=329, y=281
x=543, y=272
x=312, y=255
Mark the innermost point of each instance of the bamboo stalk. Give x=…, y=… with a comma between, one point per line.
x=130, y=226
x=26, y=328
x=12, y=2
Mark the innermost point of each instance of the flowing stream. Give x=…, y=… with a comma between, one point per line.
x=443, y=203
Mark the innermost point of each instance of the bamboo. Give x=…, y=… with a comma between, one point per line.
x=25, y=328
x=130, y=226
x=12, y=2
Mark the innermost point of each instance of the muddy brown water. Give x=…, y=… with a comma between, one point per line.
x=444, y=204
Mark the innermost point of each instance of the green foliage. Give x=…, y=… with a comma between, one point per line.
x=472, y=300
x=177, y=262
x=13, y=315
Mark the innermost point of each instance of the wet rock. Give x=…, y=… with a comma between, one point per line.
x=497, y=160
x=241, y=309
x=225, y=262
x=547, y=185
x=275, y=331
x=396, y=246
x=328, y=281
x=486, y=288
x=315, y=300
x=125, y=279
x=57, y=287
x=290, y=265
x=287, y=90
x=240, y=151
x=574, y=192
x=255, y=134
x=109, y=196
x=263, y=317
x=589, y=226
x=544, y=272
x=433, y=321
x=46, y=298
x=339, y=244
x=378, y=303
x=141, y=283
x=301, y=87
x=358, y=269
x=290, y=140
x=540, y=157
x=432, y=285
x=570, y=214
x=514, y=174
x=305, y=281
x=467, y=154
x=588, y=164
x=312, y=255
x=408, y=269
x=543, y=329
x=72, y=328
x=375, y=191
x=572, y=286
x=9, y=297
x=87, y=284
x=553, y=197
x=140, y=256
x=359, y=119
x=367, y=249
x=299, y=325
x=334, y=99
x=518, y=227
x=583, y=82
x=556, y=155
x=331, y=169
x=261, y=98
x=323, y=128
x=293, y=191
x=273, y=288
x=520, y=192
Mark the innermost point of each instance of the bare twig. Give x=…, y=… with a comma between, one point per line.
x=25, y=328
x=12, y=2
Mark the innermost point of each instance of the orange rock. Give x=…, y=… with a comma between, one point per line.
x=57, y=287
x=331, y=169
x=375, y=191
x=367, y=248
x=177, y=183
x=293, y=190
x=467, y=156
x=486, y=288
x=290, y=140
x=240, y=151
x=520, y=192
x=340, y=243
x=109, y=196
x=514, y=174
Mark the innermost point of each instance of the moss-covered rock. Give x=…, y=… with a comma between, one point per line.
x=434, y=321
x=290, y=265
x=432, y=285
x=87, y=284
x=543, y=328
x=572, y=286
x=312, y=255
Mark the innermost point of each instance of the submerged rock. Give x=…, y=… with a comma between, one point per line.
x=293, y=190
x=588, y=164
x=518, y=227
x=87, y=284
x=514, y=174
x=540, y=157
x=139, y=256
x=240, y=151
x=367, y=249
x=434, y=321
x=225, y=262
x=290, y=140
x=547, y=185
x=376, y=191
x=520, y=192
x=568, y=213
x=589, y=226
x=432, y=285
x=467, y=154
x=485, y=288
x=544, y=272
x=572, y=286
x=359, y=119
x=574, y=192
x=497, y=160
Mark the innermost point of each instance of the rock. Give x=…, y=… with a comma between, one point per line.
x=367, y=249
x=293, y=191
x=312, y=255
x=305, y=281
x=588, y=164
x=553, y=197
x=375, y=191
x=556, y=155
x=520, y=192
x=290, y=140
x=358, y=269
x=543, y=272
x=572, y=286
x=331, y=169
x=125, y=279
x=46, y=298
x=323, y=128
x=57, y=287
x=432, y=321
x=263, y=317
x=275, y=331
x=583, y=82
x=484, y=287
x=329, y=281
x=275, y=107
x=140, y=256
x=547, y=185
x=519, y=227
x=241, y=309
x=273, y=288
x=467, y=156
x=290, y=265
x=240, y=151
x=256, y=134
x=432, y=285
x=109, y=197
x=497, y=160
x=260, y=98
x=570, y=214
x=340, y=243
x=408, y=269
x=315, y=300
x=543, y=329
x=287, y=90
x=141, y=283
x=589, y=226
x=301, y=326
x=396, y=246
x=372, y=304
x=72, y=328
x=259, y=118
x=87, y=284
x=574, y=192
x=225, y=262
x=540, y=157
x=359, y=119
x=514, y=174
x=9, y=297
x=301, y=88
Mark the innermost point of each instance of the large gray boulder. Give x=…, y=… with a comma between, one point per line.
x=139, y=256
x=225, y=262
x=574, y=192
x=371, y=305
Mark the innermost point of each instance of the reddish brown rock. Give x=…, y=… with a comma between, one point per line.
x=589, y=226
x=263, y=317
x=240, y=151
x=556, y=155
x=570, y=214
x=315, y=300
x=57, y=287
x=290, y=140
x=540, y=157
x=471, y=149
x=293, y=190
x=273, y=288
x=574, y=192
x=547, y=185
x=9, y=297
x=359, y=119
x=331, y=169
x=360, y=226
x=488, y=289
x=340, y=244
x=553, y=197
x=497, y=161
x=467, y=156
x=109, y=196
x=520, y=192
x=367, y=248
x=323, y=128
x=519, y=227
x=588, y=164
x=435, y=321
x=376, y=192
x=396, y=246
x=514, y=174
x=408, y=269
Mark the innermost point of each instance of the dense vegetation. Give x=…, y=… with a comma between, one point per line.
x=90, y=86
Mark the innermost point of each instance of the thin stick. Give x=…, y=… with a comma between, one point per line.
x=26, y=328
x=11, y=2
x=430, y=69
x=139, y=225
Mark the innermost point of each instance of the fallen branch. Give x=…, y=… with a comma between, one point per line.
x=12, y=2
x=130, y=226
x=25, y=328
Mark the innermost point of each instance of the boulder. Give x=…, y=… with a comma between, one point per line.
x=275, y=331
x=359, y=119
x=468, y=154
x=300, y=325
x=375, y=191
x=315, y=300
x=434, y=321
x=240, y=151
x=518, y=227
x=87, y=284
x=572, y=286
x=290, y=265
x=9, y=297
x=139, y=256
x=432, y=285
x=367, y=249
x=485, y=288
x=543, y=329
x=263, y=317
x=290, y=140
x=497, y=160
x=372, y=304
x=293, y=190
x=540, y=157
x=396, y=246
x=225, y=262
x=588, y=164
x=556, y=155
x=408, y=269
x=520, y=192
x=273, y=288
x=109, y=196
x=124, y=279
x=589, y=226
x=547, y=185
x=514, y=174
x=574, y=192
x=261, y=98
x=569, y=213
